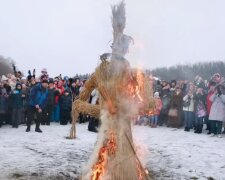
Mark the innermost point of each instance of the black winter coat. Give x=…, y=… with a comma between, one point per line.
x=65, y=102
x=50, y=99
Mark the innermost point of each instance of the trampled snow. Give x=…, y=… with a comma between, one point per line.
x=167, y=153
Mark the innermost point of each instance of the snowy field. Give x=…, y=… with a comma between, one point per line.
x=168, y=153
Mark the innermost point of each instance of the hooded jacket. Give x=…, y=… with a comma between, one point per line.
x=38, y=96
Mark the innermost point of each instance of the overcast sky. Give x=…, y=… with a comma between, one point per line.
x=67, y=36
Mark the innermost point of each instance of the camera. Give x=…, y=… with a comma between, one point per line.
x=218, y=88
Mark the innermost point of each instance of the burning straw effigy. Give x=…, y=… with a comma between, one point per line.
x=123, y=93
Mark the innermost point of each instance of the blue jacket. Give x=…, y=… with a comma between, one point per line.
x=3, y=104
x=16, y=99
x=38, y=96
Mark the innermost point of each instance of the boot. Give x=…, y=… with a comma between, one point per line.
x=38, y=130
x=28, y=129
x=200, y=129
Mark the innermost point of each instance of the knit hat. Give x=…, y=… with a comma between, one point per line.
x=18, y=84
x=50, y=80
x=66, y=90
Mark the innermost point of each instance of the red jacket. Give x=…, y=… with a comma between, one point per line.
x=208, y=102
x=61, y=91
x=158, y=106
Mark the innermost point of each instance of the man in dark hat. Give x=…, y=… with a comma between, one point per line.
x=65, y=103
x=37, y=102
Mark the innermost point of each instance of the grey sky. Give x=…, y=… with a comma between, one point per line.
x=67, y=36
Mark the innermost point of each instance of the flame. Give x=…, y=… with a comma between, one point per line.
x=138, y=94
x=140, y=171
x=136, y=86
x=146, y=171
x=108, y=149
x=150, y=113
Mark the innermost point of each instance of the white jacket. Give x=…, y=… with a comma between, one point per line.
x=95, y=96
x=217, y=111
x=192, y=105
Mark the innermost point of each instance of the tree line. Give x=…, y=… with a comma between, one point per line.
x=177, y=72
x=188, y=72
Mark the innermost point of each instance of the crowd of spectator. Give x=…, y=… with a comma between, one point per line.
x=189, y=105
x=42, y=99
x=24, y=100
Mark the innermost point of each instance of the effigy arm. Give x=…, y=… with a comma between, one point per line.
x=80, y=105
x=87, y=108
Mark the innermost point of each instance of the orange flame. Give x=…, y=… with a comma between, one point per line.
x=108, y=149
x=150, y=113
x=142, y=173
x=138, y=94
x=136, y=85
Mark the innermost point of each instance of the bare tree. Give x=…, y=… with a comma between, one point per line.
x=188, y=72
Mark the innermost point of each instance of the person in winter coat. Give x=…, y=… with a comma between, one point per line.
x=166, y=98
x=9, y=107
x=158, y=87
x=176, y=103
x=211, y=90
x=25, y=92
x=93, y=122
x=17, y=105
x=49, y=108
x=188, y=109
x=173, y=85
x=37, y=102
x=59, y=90
x=217, y=112
x=44, y=74
x=156, y=111
x=200, y=108
x=77, y=87
x=3, y=105
x=65, y=103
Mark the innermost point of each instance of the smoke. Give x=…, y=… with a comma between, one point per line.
x=5, y=66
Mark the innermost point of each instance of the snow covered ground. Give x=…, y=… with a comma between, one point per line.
x=168, y=153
